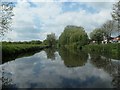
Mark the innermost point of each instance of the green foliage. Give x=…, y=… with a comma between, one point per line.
x=12, y=49
x=73, y=36
x=98, y=35
x=50, y=40
x=108, y=50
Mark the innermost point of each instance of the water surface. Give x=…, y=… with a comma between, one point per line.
x=52, y=68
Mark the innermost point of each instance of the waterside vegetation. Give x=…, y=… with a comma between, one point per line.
x=111, y=50
x=15, y=48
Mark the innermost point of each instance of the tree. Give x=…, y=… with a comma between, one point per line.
x=98, y=34
x=73, y=36
x=116, y=14
x=51, y=39
x=6, y=14
x=109, y=27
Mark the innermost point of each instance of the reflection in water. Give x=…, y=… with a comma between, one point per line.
x=99, y=61
x=116, y=78
x=50, y=52
x=111, y=67
x=73, y=58
x=6, y=79
x=52, y=69
x=13, y=57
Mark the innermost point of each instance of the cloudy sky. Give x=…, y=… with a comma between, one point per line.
x=33, y=20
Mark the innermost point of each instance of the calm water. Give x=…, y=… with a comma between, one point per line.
x=58, y=69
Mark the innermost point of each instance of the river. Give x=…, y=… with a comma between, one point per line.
x=61, y=68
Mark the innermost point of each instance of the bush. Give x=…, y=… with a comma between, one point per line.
x=110, y=50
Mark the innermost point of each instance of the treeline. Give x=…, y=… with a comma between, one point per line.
x=23, y=42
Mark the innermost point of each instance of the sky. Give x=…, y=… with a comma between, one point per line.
x=33, y=20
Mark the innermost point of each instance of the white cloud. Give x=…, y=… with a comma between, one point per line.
x=46, y=17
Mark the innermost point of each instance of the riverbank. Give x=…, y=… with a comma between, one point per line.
x=111, y=50
x=12, y=50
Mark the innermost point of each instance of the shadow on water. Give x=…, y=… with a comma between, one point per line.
x=13, y=57
x=108, y=65
x=73, y=58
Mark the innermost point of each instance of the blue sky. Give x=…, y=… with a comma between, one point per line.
x=75, y=6
x=34, y=20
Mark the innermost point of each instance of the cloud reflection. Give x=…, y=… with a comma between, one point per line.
x=37, y=72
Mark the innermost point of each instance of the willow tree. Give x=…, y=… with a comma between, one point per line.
x=73, y=36
x=116, y=14
x=6, y=14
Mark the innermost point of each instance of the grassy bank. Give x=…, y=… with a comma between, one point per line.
x=109, y=50
x=11, y=49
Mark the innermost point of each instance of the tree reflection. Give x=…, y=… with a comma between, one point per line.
x=6, y=79
x=116, y=78
x=50, y=52
x=99, y=61
x=73, y=58
x=111, y=67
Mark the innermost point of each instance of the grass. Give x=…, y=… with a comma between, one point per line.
x=111, y=50
x=11, y=49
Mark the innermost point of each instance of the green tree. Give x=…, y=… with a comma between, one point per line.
x=51, y=39
x=73, y=36
x=98, y=35
x=6, y=14
x=116, y=14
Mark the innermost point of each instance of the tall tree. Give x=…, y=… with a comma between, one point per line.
x=73, y=36
x=109, y=27
x=6, y=14
x=116, y=14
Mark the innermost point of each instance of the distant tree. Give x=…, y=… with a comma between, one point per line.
x=116, y=14
x=35, y=42
x=45, y=42
x=98, y=35
x=51, y=39
x=6, y=14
